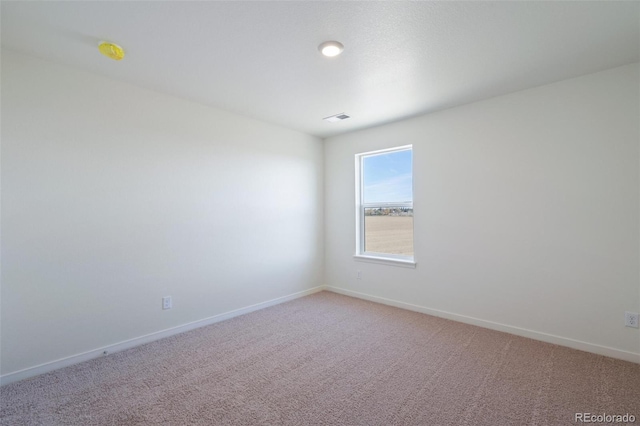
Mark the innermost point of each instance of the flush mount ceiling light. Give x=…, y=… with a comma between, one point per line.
x=111, y=50
x=331, y=48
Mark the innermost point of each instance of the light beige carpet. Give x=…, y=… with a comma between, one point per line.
x=328, y=359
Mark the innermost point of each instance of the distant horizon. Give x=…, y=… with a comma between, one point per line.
x=388, y=177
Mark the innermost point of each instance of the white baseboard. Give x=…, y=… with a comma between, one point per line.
x=117, y=347
x=536, y=335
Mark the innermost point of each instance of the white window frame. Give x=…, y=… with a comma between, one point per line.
x=361, y=254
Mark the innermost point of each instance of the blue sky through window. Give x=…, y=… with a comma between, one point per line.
x=388, y=177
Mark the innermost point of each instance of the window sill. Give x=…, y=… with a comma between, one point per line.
x=403, y=263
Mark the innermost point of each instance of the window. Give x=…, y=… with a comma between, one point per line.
x=384, y=206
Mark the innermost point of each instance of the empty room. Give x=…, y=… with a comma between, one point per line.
x=319, y=213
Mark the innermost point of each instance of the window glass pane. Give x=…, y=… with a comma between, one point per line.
x=389, y=230
x=387, y=177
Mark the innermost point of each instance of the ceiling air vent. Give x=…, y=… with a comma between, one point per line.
x=337, y=117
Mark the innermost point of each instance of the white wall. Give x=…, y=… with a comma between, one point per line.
x=114, y=196
x=526, y=213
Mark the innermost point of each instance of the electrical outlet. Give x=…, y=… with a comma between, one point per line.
x=631, y=319
x=166, y=302
x=359, y=275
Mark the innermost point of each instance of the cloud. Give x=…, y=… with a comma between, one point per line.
x=392, y=189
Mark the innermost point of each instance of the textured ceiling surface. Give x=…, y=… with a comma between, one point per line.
x=260, y=59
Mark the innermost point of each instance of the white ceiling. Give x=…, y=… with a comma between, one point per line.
x=260, y=59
